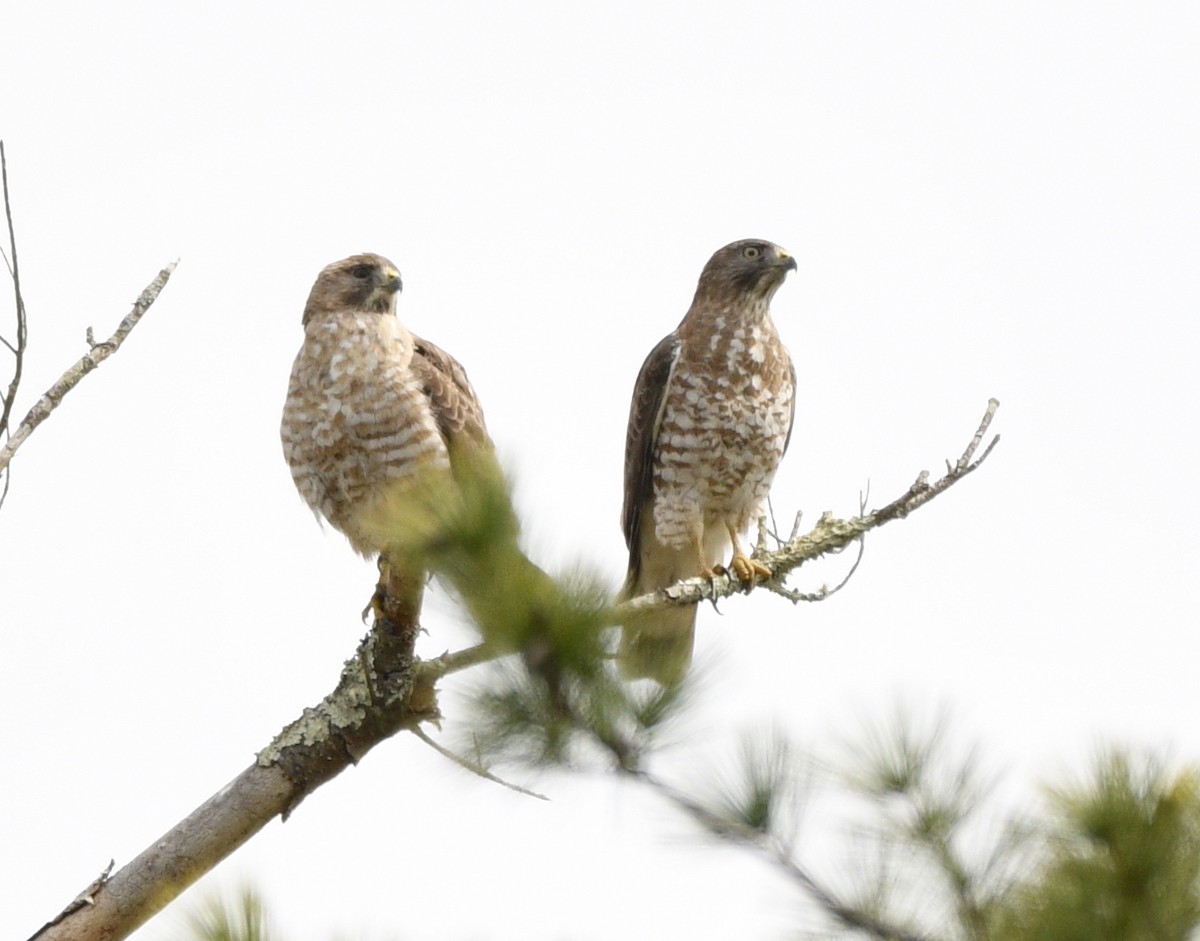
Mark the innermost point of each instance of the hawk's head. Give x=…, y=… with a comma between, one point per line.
x=750, y=267
x=367, y=283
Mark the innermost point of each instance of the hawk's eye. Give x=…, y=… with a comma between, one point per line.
x=362, y=272
x=751, y=251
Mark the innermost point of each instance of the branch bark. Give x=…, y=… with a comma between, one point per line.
x=374, y=698
x=384, y=689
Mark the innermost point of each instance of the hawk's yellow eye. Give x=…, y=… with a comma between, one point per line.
x=751, y=251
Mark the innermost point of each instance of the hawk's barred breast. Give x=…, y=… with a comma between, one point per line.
x=709, y=422
x=725, y=422
x=369, y=405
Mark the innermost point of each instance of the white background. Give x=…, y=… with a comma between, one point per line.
x=984, y=199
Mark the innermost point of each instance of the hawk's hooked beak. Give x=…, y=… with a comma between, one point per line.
x=785, y=261
x=390, y=281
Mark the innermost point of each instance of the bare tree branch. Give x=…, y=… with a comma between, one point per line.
x=18, y=350
x=824, y=592
x=384, y=689
x=373, y=700
x=430, y=671
x=99, y=353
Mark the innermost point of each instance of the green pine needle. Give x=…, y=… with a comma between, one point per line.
x=241, y=918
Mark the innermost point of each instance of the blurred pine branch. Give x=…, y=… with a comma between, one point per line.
x=240, y=917
x=1113, y=858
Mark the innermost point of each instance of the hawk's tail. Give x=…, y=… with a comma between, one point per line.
x=658, y=645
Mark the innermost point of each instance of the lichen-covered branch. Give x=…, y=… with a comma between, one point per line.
x=98, y=353
x=374, y=698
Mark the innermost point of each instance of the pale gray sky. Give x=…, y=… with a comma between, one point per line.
x=985, y=199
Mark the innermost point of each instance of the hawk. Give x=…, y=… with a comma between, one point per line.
x=710, y=421
x=370, y=407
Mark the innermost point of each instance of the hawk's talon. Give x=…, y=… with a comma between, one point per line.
x=748, y=570
x=711, y=575
x=375, y=606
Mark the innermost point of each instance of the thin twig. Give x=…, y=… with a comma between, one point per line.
x=965, y=459
x=18, y=351
x=71, y=378
x=472, y=766
x=822, y=593
x=14, y=271
x=776, y=586
x=921, y=492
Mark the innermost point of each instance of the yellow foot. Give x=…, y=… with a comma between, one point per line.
x=748, y=570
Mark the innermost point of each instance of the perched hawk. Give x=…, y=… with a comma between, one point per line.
x=370, y=406
x=710, y=420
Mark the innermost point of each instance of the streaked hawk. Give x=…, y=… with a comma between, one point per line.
x=710, y=421
x=370, y=407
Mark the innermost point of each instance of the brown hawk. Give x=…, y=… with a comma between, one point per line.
x=709, y=423
x=370, y=407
